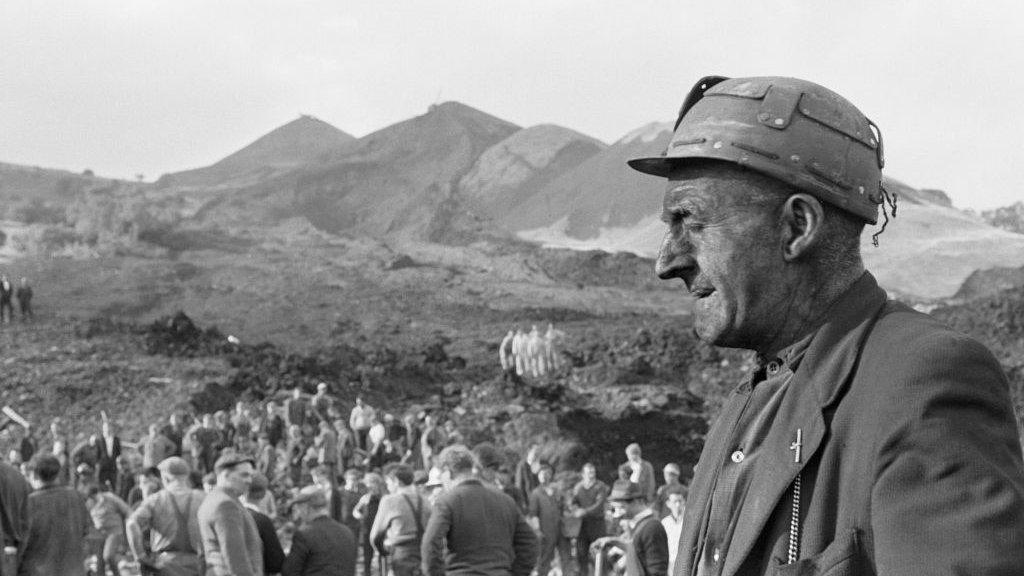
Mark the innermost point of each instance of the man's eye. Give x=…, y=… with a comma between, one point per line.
x=676, y=217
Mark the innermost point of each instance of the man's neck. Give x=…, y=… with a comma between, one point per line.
x=806, y=308
x=175, y=486
x=229, y=491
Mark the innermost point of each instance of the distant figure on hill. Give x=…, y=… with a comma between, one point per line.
x=6, y=293
x=535, y=353
x=519, y=351
x=505, y=353
x=24, y=296
x=552, y=338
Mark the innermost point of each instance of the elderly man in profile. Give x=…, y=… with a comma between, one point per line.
x=474, y=529
x=870, y=438
x=231, y=540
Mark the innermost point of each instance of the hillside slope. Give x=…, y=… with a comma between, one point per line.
x=301, y=142
x=599, y=195
x=508, y=174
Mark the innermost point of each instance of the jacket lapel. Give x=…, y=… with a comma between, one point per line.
x=776, y=469
x=699, y=499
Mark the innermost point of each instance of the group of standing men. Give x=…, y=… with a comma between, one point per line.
x=530, y=352
x=8, y=293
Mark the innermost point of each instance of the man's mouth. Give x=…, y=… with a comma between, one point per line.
x=701, y=292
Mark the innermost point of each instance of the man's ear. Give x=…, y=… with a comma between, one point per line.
x=803, y=219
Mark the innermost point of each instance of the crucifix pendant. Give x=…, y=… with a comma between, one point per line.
x=796, y=446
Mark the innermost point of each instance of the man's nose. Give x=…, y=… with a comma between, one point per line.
x=674, y=257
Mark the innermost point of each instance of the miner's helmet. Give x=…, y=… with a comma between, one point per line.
x=793, y=130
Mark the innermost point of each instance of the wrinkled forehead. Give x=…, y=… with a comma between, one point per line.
x=717, y=188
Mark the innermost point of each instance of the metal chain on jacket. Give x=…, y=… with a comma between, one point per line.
x=794, y=523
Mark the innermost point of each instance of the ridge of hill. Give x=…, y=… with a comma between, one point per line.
x=400, y=181
x=509, y=173
x=301, y=142
x=600, y=193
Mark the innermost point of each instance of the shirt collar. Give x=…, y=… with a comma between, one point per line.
x=787, y=359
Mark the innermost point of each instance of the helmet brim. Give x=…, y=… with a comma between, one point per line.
x=655, y=165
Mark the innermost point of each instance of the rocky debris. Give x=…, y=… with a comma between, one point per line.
x=596, y=268
x=177, y=335
x=264, y=369
x=212, y=397
x=996, y=320
x=989, y=282
x=401, y=261
x=1010, y=218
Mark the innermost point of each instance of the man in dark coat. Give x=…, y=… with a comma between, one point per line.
x=321, y=546
x=474, y=529
x=14, y=520
x=547, y=504
x=58, y=523
x=647, y=553
x=870, y=439
x=108, y=449
x=24, y=296
x=273, y=554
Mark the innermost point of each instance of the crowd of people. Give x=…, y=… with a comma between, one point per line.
x=371, y=494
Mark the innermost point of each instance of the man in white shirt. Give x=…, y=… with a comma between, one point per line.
x=362, y=417
x=673, y=523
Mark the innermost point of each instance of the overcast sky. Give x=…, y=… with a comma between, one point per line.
x=146, y=86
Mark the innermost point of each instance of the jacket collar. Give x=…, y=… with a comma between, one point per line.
x=645, y=513
x=835, y=348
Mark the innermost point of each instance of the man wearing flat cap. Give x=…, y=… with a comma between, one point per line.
x=870, y=438
x=321, y=546
x=231, y=540
x=172, y=517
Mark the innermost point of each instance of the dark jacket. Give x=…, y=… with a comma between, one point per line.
x=14, y=493
x=273, y=555
x=58, y=523
x=321, y=548
x=648, y=550
x=910, y=464
x=106, y=460
x=484, y=531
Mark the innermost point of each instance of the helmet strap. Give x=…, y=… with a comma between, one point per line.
x=888, y=202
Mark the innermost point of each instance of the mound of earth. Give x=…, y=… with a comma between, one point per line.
x=1009, y=218
x=989, y=282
